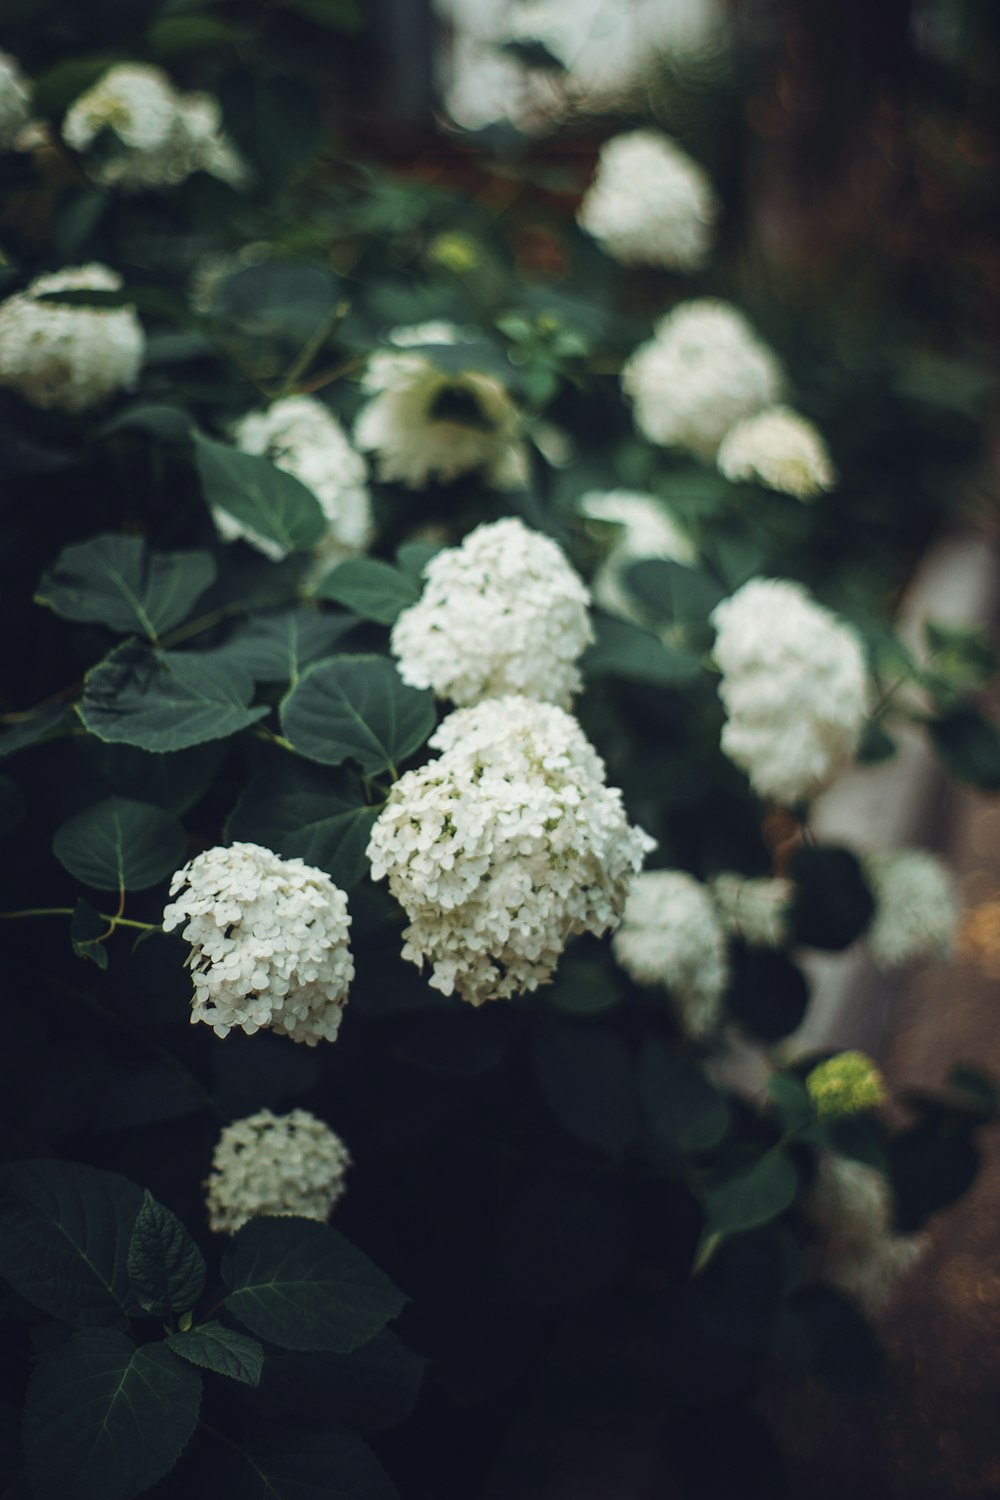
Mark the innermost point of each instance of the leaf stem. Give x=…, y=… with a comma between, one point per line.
x=67, y=911
x=311, y=348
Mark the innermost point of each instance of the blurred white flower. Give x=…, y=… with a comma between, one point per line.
x=671, y=937
x=755, y=910
x=703, y=370
x=69, y=357
x=503, y=848
x=275, y=1165
x=15, y=100
x=917, y=906
x=779, y=449
x=426, y=422
x=162, y=136
x=269, y=943
x=303, y=437
x=794, y=685
x=851, y=1207
x=649, y=203
x=645, y=527
x=502, y=613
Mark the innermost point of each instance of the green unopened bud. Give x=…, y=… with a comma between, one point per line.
x=454, y=252
x=846, y=1084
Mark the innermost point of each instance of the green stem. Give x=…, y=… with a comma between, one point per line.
x=67, y=911
x=310, y=349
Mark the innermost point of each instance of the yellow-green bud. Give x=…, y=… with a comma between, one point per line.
x=454, y=252
x=846, y=1084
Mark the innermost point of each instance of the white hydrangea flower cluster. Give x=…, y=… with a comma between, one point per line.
x=65, y=357
x=275, y=1165
x=503, y=847
x=755, y=910
x=502, y=613
x=703, y=370
x=794, y=685
x=780, y=450
x=649, y=203
x=269, y=943
x=303, y=437
x=162, y=135
x=851, y=1207
x=414, y=434
x=646, y=529
x=917, y=906
x=671, y=936
x=15, y=100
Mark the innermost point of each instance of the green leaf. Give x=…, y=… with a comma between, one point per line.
x=369, y=1390
x=303, y=1286
x=752, y=1194
x=299, y=1464
x=172, y=36
x=166, y=701
x=259, y=495
x=158, y=419
x=674, y=591
x=357, y=708
x=64, y=1233
x=58, y=86
x=684, y=1108
x=832, y=904
x=372, y=589
x=413, y=558
x=43, y=723
x=302, y=812
x=791, y=1099
x=278, y=122
x=105, y=1420
x=87, y=928
x=116, y=581
x=278, y=300
x=969, y=746
x=278, y=646
x=174, y=782
x=165, y=1265
x=581, y=988
x=120, y=845
x=344, y=16
x=626, y=650
x=224, y=1350
x=584, y=1074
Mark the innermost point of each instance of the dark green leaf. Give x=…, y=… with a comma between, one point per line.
x=58, y=86
x=373, y=1388
x=832, y=904
x=166, y=701
x=583, y=989
x=682, y=1105
x=768, y=994
x=276, y=121
x=105, y=1420
x=259, y=495
x=372, y=589
x=12, y=805
x=791, y=1099
x=33, y=728
x=278, y=646
x=116, y=581
x=224, y=1350
x=969, y=746
x=170, y=424
x=119, y=844
x=751, y=1194
x=174, y=35
x=303, y=1286
x=673, y=591
x=86, y=929
x=278, y=300
x=357, y=708
x=164, y=1263
x=64, y=1233
x=584, y=1075
x=413, y=558
x=626, y=650
x=302, y=812
x=299, y=1464
x=344, y=16
x=175, y=781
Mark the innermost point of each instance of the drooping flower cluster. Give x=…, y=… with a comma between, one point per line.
x=275, y=1165
x=670, y=936
x=649, y=203
x=794, y=686
x=780, y=450
x=703, y=370
x=269, y=943
x=425, y=422
x=15, y=100
x=754, y=910
x=645, y=529
x=916, y=906
x=851, y=1207
x=303, y=437
x=503, y=847
x=846, y=1084
x=66, y=357
x=502, y=613
x=159, y=136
